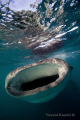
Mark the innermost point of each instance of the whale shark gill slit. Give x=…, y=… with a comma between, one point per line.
x=39, y=82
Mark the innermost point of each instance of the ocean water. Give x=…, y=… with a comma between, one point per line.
x=25, y=39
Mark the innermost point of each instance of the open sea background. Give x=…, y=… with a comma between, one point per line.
x=62, y=16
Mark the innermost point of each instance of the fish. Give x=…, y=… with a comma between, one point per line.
x=38, y=82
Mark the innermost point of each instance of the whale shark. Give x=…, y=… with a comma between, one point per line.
x=39, y=82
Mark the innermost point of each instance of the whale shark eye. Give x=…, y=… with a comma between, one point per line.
x=39, y=82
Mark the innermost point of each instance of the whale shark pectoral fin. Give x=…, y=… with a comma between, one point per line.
x=73, y=85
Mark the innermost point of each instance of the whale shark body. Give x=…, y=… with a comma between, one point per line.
x=38, y=82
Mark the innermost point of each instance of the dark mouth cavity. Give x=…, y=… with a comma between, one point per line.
x=39, y=82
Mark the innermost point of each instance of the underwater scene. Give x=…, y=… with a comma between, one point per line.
x=39, y=60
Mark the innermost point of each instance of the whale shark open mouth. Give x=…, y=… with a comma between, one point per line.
x=38, y=78
x=39, y=82
x=33, y=77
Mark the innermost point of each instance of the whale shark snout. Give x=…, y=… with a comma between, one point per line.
x=38, y=82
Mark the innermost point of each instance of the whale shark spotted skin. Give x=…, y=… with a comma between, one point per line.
x=38, y=82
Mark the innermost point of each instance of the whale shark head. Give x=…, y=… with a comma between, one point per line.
x=38, y=82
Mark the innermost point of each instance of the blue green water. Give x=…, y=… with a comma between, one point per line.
x=13, y=54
